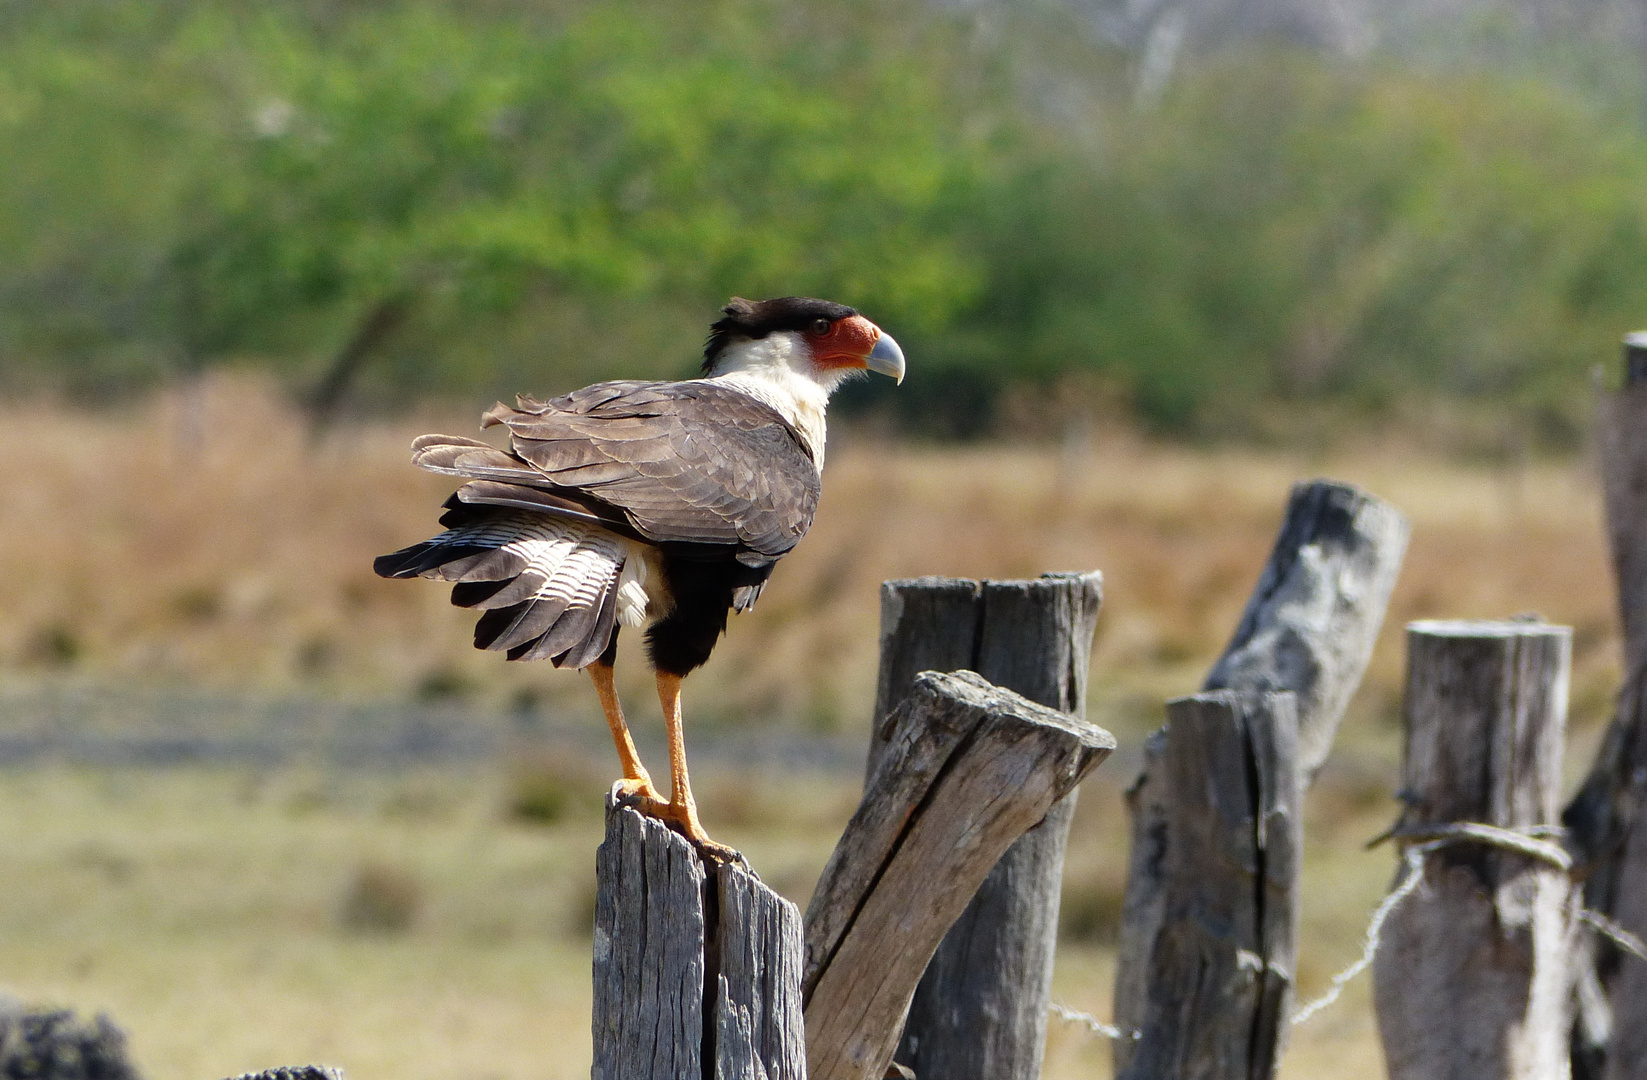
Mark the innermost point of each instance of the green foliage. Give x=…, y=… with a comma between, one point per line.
x=559, y=192
x=1278, y=231
x=646, y=151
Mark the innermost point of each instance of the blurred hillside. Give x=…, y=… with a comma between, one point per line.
x=1357, y=27
x=1209, y=227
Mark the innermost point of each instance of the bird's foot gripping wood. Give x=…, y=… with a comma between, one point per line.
x=683, y=818
x=639, y=794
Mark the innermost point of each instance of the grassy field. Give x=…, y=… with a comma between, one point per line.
x=416, y=924
x=412, y=927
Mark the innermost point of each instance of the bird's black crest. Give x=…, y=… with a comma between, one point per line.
x=758, y=318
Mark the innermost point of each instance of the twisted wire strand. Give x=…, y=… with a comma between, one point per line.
x=1536, y=842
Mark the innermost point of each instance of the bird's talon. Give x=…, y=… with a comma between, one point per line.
x=639, y=794
x=685, y=822
x=720, y=853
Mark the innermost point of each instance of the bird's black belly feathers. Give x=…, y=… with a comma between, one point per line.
x=702, y=583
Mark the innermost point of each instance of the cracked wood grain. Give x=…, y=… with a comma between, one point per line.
x=1472, y=978
x=1220, y=977
x=966, y=769
x=694, y=963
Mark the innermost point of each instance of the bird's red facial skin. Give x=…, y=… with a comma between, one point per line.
x=847, y=344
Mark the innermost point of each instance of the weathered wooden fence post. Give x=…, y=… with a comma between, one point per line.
x=697, y=968
x=1601, y=819
x=981, y=1010
x=1471, y=978
x=965, y=768
x=1308, y=628
x=1219, y=980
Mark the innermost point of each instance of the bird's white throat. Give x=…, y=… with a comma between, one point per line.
x=778, y=370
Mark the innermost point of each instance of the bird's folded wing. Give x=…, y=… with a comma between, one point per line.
x=684, y=462
x=522, y=497
x=455, y=455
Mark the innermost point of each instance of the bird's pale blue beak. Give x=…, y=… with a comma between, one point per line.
x=886, y=357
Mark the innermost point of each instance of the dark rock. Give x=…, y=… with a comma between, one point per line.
x=58, y=1046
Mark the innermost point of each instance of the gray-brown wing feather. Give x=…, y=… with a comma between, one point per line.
x=689, y=462
x=546, y=584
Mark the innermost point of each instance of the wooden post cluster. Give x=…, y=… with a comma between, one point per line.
x=1603, y=820
x=1472, y=977
x=965, y=769
x=697, y=968
x=1219, y=979
x=1308, y=629
x=981, y=1010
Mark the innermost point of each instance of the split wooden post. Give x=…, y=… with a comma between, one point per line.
x=697, y=968
x=1602, y=818
x=1308, y=628
x=1471, y=978
x=1219, y=982
x=981, y=1010
x=965, y=769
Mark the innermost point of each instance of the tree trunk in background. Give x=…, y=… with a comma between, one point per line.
x=381, y=321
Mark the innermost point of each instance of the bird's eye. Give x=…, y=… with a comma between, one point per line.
x=820, y=328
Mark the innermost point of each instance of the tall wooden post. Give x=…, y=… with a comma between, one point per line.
x=1602, y=820
x=1220, y=977
x=965, y=769
x=697, y=968
x=981, y=1010
x=1308, y=628
x=1471, y=978
x=1623, y=444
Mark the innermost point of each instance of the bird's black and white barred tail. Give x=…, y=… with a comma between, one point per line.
x=551, y=588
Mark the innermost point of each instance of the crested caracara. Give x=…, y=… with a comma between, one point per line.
x=663, y=504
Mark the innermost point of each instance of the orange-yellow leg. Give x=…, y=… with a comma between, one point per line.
x=681, y=809
x=635, y=781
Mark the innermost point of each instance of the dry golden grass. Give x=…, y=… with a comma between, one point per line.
x=210, y=910
x=224, y=550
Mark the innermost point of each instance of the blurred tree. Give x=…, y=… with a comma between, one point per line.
x=410, y=165
x=439, y=196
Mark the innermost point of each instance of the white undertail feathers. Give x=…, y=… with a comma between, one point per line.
x=571, y=566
